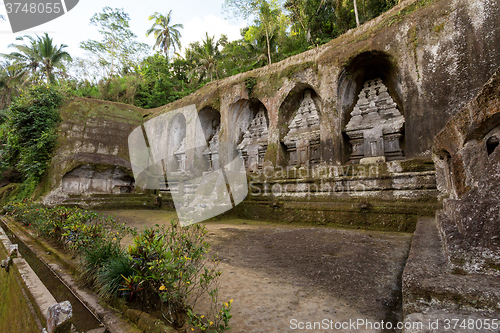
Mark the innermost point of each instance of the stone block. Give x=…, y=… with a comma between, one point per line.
x=59, y=318
x=372, y=160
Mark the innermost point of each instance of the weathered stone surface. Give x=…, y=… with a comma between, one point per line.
x=376, y=124
x=97, y=330
x=432, y=289
x=180, y=155
x=468, y=159
x=457, y=273
x=448, y=321
x=150, y=324
x=303, y=139
x=93, y=133
x=212, y=151
x=59, y=318
x=433, y=57
x=89, y=179
x=133, y=315
x=255, y=140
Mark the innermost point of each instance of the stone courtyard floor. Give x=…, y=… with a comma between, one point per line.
x=284, y=276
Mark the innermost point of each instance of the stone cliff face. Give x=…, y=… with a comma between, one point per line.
x=433, y=56
x=468, y=168
x=429, y=57
x=92, y=150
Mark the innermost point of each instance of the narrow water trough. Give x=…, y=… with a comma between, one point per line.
x=83, y=319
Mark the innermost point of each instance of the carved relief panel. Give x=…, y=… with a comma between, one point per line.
x=375, y=127
x=303, y=139
x=255, y=141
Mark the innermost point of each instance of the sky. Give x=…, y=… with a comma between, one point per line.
x=197, y=16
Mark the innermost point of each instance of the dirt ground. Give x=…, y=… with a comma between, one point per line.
x=283, y=277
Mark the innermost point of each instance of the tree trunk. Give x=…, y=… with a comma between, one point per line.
x=356, y=13
x=268, y=47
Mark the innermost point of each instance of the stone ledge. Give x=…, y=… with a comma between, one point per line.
x=430, y=285
x=37, y=293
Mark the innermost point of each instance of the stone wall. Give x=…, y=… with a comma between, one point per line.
x=92, y=153
x=15, y=313
x=432, y=56
x=420, y=63
x=468, y=165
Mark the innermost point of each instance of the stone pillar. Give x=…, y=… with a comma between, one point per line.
x=212, y=151
x=180, y=155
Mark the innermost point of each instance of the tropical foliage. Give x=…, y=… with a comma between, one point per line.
x=41, y=57
x=167, y=35
x=166, y=267
x=28, y=135
x=117, y=52
x=11, y=75
x=119, y=68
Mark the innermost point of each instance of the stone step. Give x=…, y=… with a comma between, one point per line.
x=108, y=195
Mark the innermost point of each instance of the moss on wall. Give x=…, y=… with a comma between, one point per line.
x=9, y=192
x=15, y=314
x=375, y=217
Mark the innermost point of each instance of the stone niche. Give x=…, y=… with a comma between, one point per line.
x=376, y=125
x=210, y=123
x=212, y=151
x=303, y=139
x=180, y=155
x=177, y=144
x=88, y=179
x=467, y=159
x=255, y=141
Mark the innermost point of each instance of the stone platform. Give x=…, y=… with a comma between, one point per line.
x=432, y=290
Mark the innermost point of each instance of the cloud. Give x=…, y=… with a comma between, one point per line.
x=195, y=29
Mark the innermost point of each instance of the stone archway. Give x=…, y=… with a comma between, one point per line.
x=370, y=108
x=176, y=156
x=210, y=123
x=299, y=127
x=249, y=126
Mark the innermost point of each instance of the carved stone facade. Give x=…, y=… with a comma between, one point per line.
x=212, y=151
x=375, y=127
x=303, y=139
x=255, y=141
x=180, y=155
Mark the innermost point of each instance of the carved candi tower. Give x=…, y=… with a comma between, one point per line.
x=375, y=127
x=212, y=151
x=302, y=141
x=180, y=155
x=254, y=144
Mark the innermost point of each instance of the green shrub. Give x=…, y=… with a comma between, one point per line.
x=166, y=268
x=112, y=273
x=96, y=256
x=76, y=229
x=173, y=273
x=29, y=133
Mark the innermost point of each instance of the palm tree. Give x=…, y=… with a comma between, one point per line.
x=26, y=56
x=167, y=36
x=206, y=57
x=10, y=78
x=41, y=57
x=51, y=56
